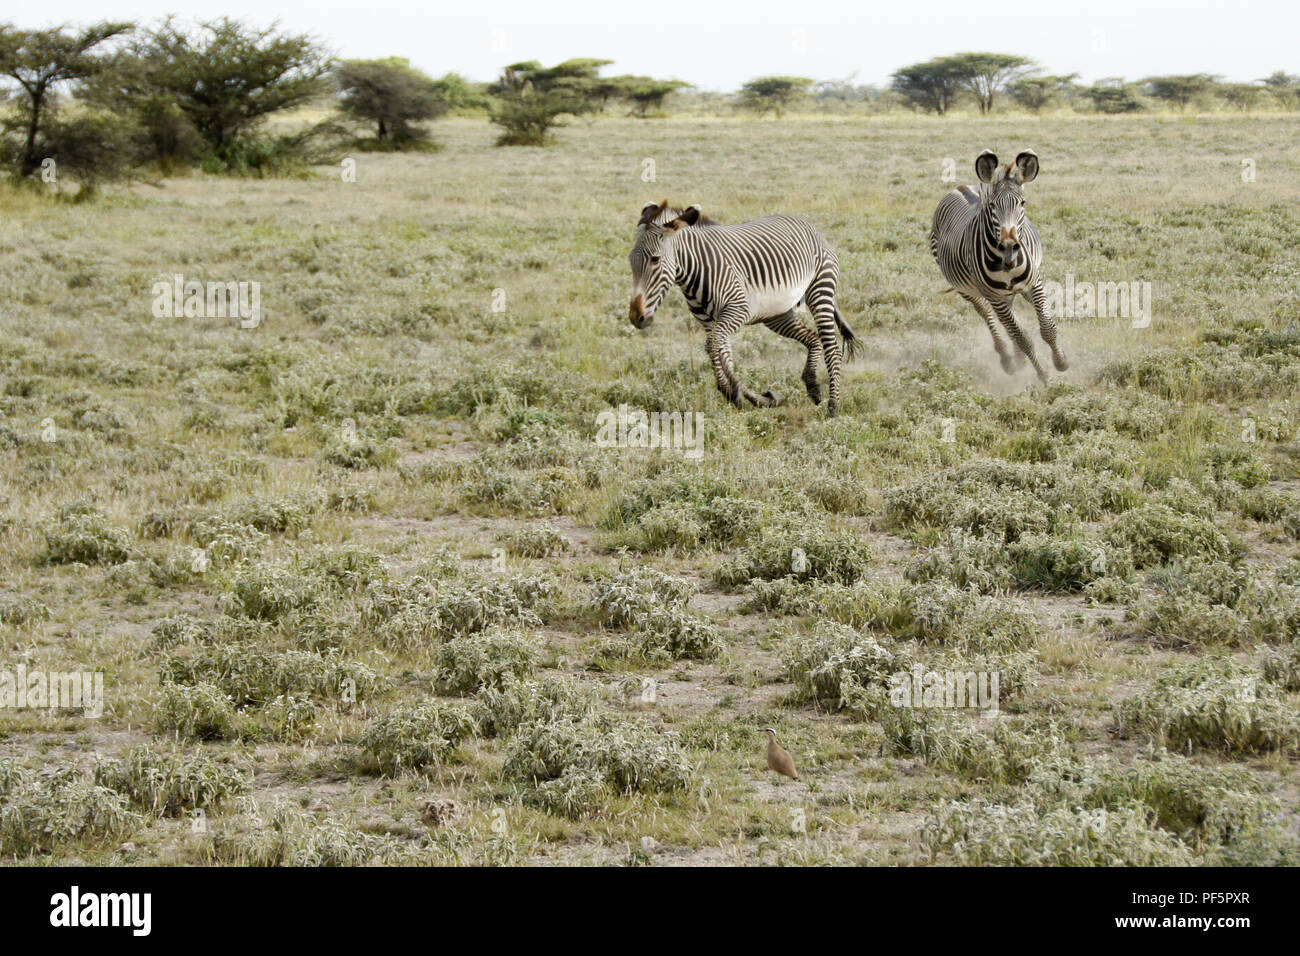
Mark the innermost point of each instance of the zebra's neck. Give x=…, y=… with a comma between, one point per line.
x=984, y=238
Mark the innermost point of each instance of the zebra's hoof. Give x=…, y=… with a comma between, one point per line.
x=774, y=398
x=832, y=410
x=815, y=393
x=1060, y=361
x=1008, y=364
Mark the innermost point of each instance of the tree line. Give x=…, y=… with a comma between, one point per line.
x=985, y=78
x=114, y=100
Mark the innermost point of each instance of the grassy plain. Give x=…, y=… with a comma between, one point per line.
x=433, y=622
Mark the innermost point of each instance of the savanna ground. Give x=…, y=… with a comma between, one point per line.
x=433, y=622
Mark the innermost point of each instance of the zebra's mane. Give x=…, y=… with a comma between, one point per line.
x=671, y=212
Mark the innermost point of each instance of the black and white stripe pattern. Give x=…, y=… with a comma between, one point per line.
x=733, y=276
x=990, y=253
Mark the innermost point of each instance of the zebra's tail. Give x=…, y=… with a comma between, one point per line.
x=850, y=342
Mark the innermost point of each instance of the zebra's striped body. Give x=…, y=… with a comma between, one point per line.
x=990, y=253
x=734, y=276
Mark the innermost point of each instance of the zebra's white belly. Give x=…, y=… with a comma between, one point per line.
x=769, y=303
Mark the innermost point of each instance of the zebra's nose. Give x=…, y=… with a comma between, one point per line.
x=636, y=312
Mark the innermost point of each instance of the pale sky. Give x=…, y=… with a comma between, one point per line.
x=718, y=44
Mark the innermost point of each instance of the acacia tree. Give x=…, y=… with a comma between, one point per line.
x=1113, y=95
x=529, y=100
x=1181, y=89
x=1036, y=93
x=225, y=77
x=774, y=93
x=932, y=85
x=1244, y=96
x=644, y=94
x=986, y=75
x=391, y=95
x=1284, y=87
x=40, y=61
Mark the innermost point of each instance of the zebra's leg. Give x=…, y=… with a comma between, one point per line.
x=821, y=303
x=1047, y=325
x=718, y=344
x=1007, y=317
x=1007, y=358
x=790, y=326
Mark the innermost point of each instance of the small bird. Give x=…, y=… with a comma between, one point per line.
x=778, y=758
x=438, y=813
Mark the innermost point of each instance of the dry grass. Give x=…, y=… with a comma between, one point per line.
x=407, y=527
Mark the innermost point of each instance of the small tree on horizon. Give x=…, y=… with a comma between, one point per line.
x=644, y=93
x=986, y=75
x=1036, y=93
x=932, y=85
x=390, y=95
x=1181, y=89
x=1113, y=95
x=1285, y=88
x=774, y=94
x=1243, y=96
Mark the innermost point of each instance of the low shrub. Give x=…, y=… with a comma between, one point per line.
x=483, y=659
x=167, y=784
x=1212, y=704
x=414, y=736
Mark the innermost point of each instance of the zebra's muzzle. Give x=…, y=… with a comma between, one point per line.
x=636, y=312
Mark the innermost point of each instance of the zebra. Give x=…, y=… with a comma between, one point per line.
x=734, y=276
x=990, y=252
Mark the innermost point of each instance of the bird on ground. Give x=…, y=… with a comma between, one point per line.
x=778, y=758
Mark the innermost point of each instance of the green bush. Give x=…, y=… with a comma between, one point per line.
x=500, y=710
x=626, y=755
x=167, y=784
x=1006, y=753
x=294, y=838
x=42, y=812
x=542, y=541
x=1008, y=499
x=665, y=634
x=252, y=676
x=1199, y=804
x=978, y=833
x=809, y=554
x=633, y=593
x=269, y=592
x=194, y=712
x=483, y=659
x=413, y=736
x=1282, y=668
x=82, y=535
x=844, y=669
x=1155, y=534
x=1212, y=704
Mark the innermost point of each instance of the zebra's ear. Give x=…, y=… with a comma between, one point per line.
x=689, y=217
x=985, y=165
x=1027, y=163
x=649, y=211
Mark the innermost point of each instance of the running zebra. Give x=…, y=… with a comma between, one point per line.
x=989, y=251
x=733, y=276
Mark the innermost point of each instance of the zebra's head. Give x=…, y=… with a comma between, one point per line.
x=1003, y=201
x=654, y=265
